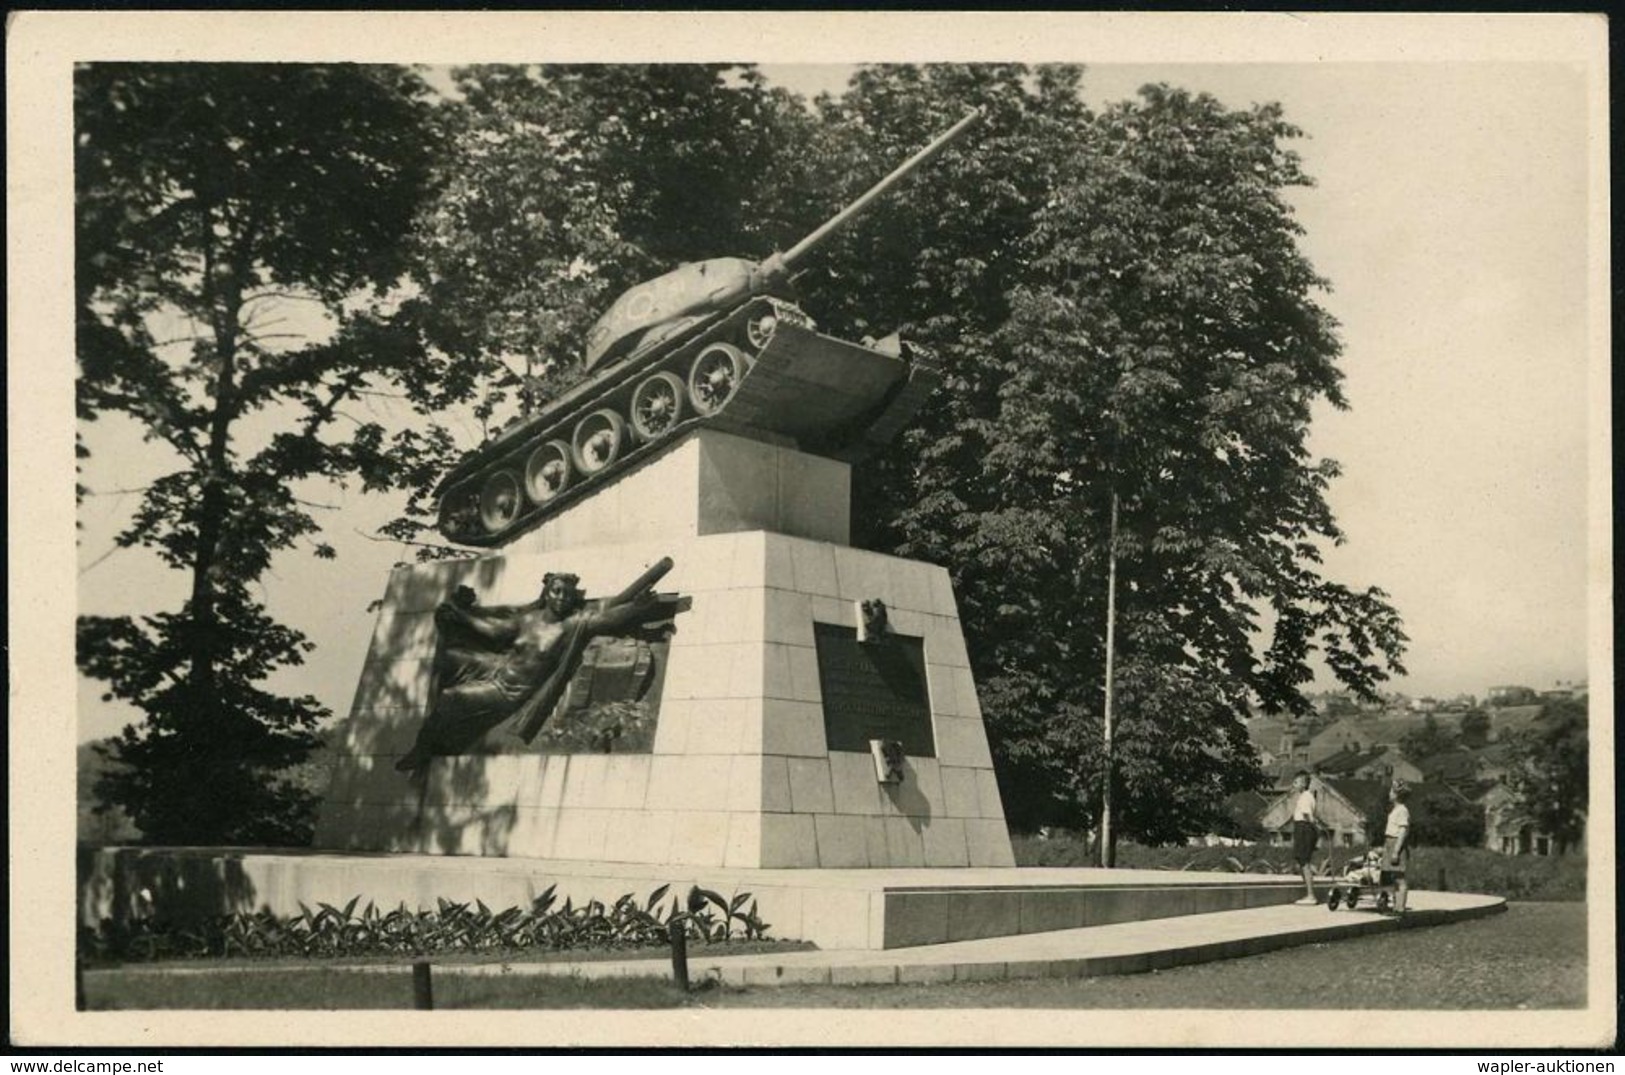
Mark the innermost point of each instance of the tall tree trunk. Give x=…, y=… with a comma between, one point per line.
x=223, y=291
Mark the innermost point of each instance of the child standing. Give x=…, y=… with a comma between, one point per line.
x=1396, y=843
x=1305, y=833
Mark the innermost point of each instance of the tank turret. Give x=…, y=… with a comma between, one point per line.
x=714, y=342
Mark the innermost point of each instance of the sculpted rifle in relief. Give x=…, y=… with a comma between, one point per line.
x=509, y=667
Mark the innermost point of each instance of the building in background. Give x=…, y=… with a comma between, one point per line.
x=1511, y=695
x=1509, y=829
x=1348, y=810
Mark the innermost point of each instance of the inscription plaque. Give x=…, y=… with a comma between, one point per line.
x=873, y=690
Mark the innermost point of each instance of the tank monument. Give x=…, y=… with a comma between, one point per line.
x=668, y=665
x=794, y=704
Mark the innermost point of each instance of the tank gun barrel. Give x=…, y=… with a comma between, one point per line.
x=698, y=289
x=835, y=223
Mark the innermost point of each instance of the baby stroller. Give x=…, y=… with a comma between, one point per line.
x=1365, y=877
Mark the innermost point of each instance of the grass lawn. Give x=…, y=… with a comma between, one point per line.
x=329, y=989
x=696, y=950
x=1533, y=956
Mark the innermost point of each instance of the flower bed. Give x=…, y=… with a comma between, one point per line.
x=329, y=931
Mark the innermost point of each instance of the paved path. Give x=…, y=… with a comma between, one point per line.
x=1125, y=948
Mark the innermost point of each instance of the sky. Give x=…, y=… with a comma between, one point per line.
x=1451, y=217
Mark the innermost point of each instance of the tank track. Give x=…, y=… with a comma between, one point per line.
x=759, y=369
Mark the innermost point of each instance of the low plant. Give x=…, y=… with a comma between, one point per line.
x=1073, y=849
x=329, y=931
x=1514, y=877
x=712, y=917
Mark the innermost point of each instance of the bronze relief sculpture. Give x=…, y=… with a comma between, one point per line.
x=502, y=672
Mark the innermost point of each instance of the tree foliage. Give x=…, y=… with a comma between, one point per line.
x=1432, y=737
x=1442, y=818
x=1550, y=769
x=565, y=185
x=1474, y=728
x=99, y=824
x=1124, y=310
x=212, y=198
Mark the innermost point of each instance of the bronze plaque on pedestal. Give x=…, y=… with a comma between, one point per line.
x=873, y=690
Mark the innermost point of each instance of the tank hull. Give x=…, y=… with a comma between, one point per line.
x=755, y=371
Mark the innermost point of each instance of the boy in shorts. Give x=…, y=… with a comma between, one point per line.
x=1305, y=833
x=1396, y=842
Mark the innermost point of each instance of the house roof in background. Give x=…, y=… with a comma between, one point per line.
x=1265, y=732
x=1348, y=761
x=1370, y=797
x=1246, y=805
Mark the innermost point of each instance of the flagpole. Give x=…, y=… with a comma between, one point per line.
x=1108, y=855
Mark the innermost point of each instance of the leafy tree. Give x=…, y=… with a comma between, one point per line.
x=99, y=823
x=211, y=198
x=1475, y=728
x=938, y=260
x=1123, y=310
x=1442, y=818
x=1341, y=705
x=1550, y=769
x=1175, y=766
x=1429, y=739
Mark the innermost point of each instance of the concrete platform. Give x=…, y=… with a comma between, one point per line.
x=860, y=909
x=1125, y=948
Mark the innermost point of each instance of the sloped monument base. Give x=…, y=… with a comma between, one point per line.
x=739, y=773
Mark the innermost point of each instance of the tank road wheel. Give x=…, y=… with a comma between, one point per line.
x=460, y=514
x=715, y=376
x=759, y=329
x=597, y=441
x=547, y=471
x=657, y=405
x=499, y=501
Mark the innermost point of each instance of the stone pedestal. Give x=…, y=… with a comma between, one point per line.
x=707, y=483
x=741, y=773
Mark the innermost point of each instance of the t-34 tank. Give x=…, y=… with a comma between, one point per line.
x=713, y=343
